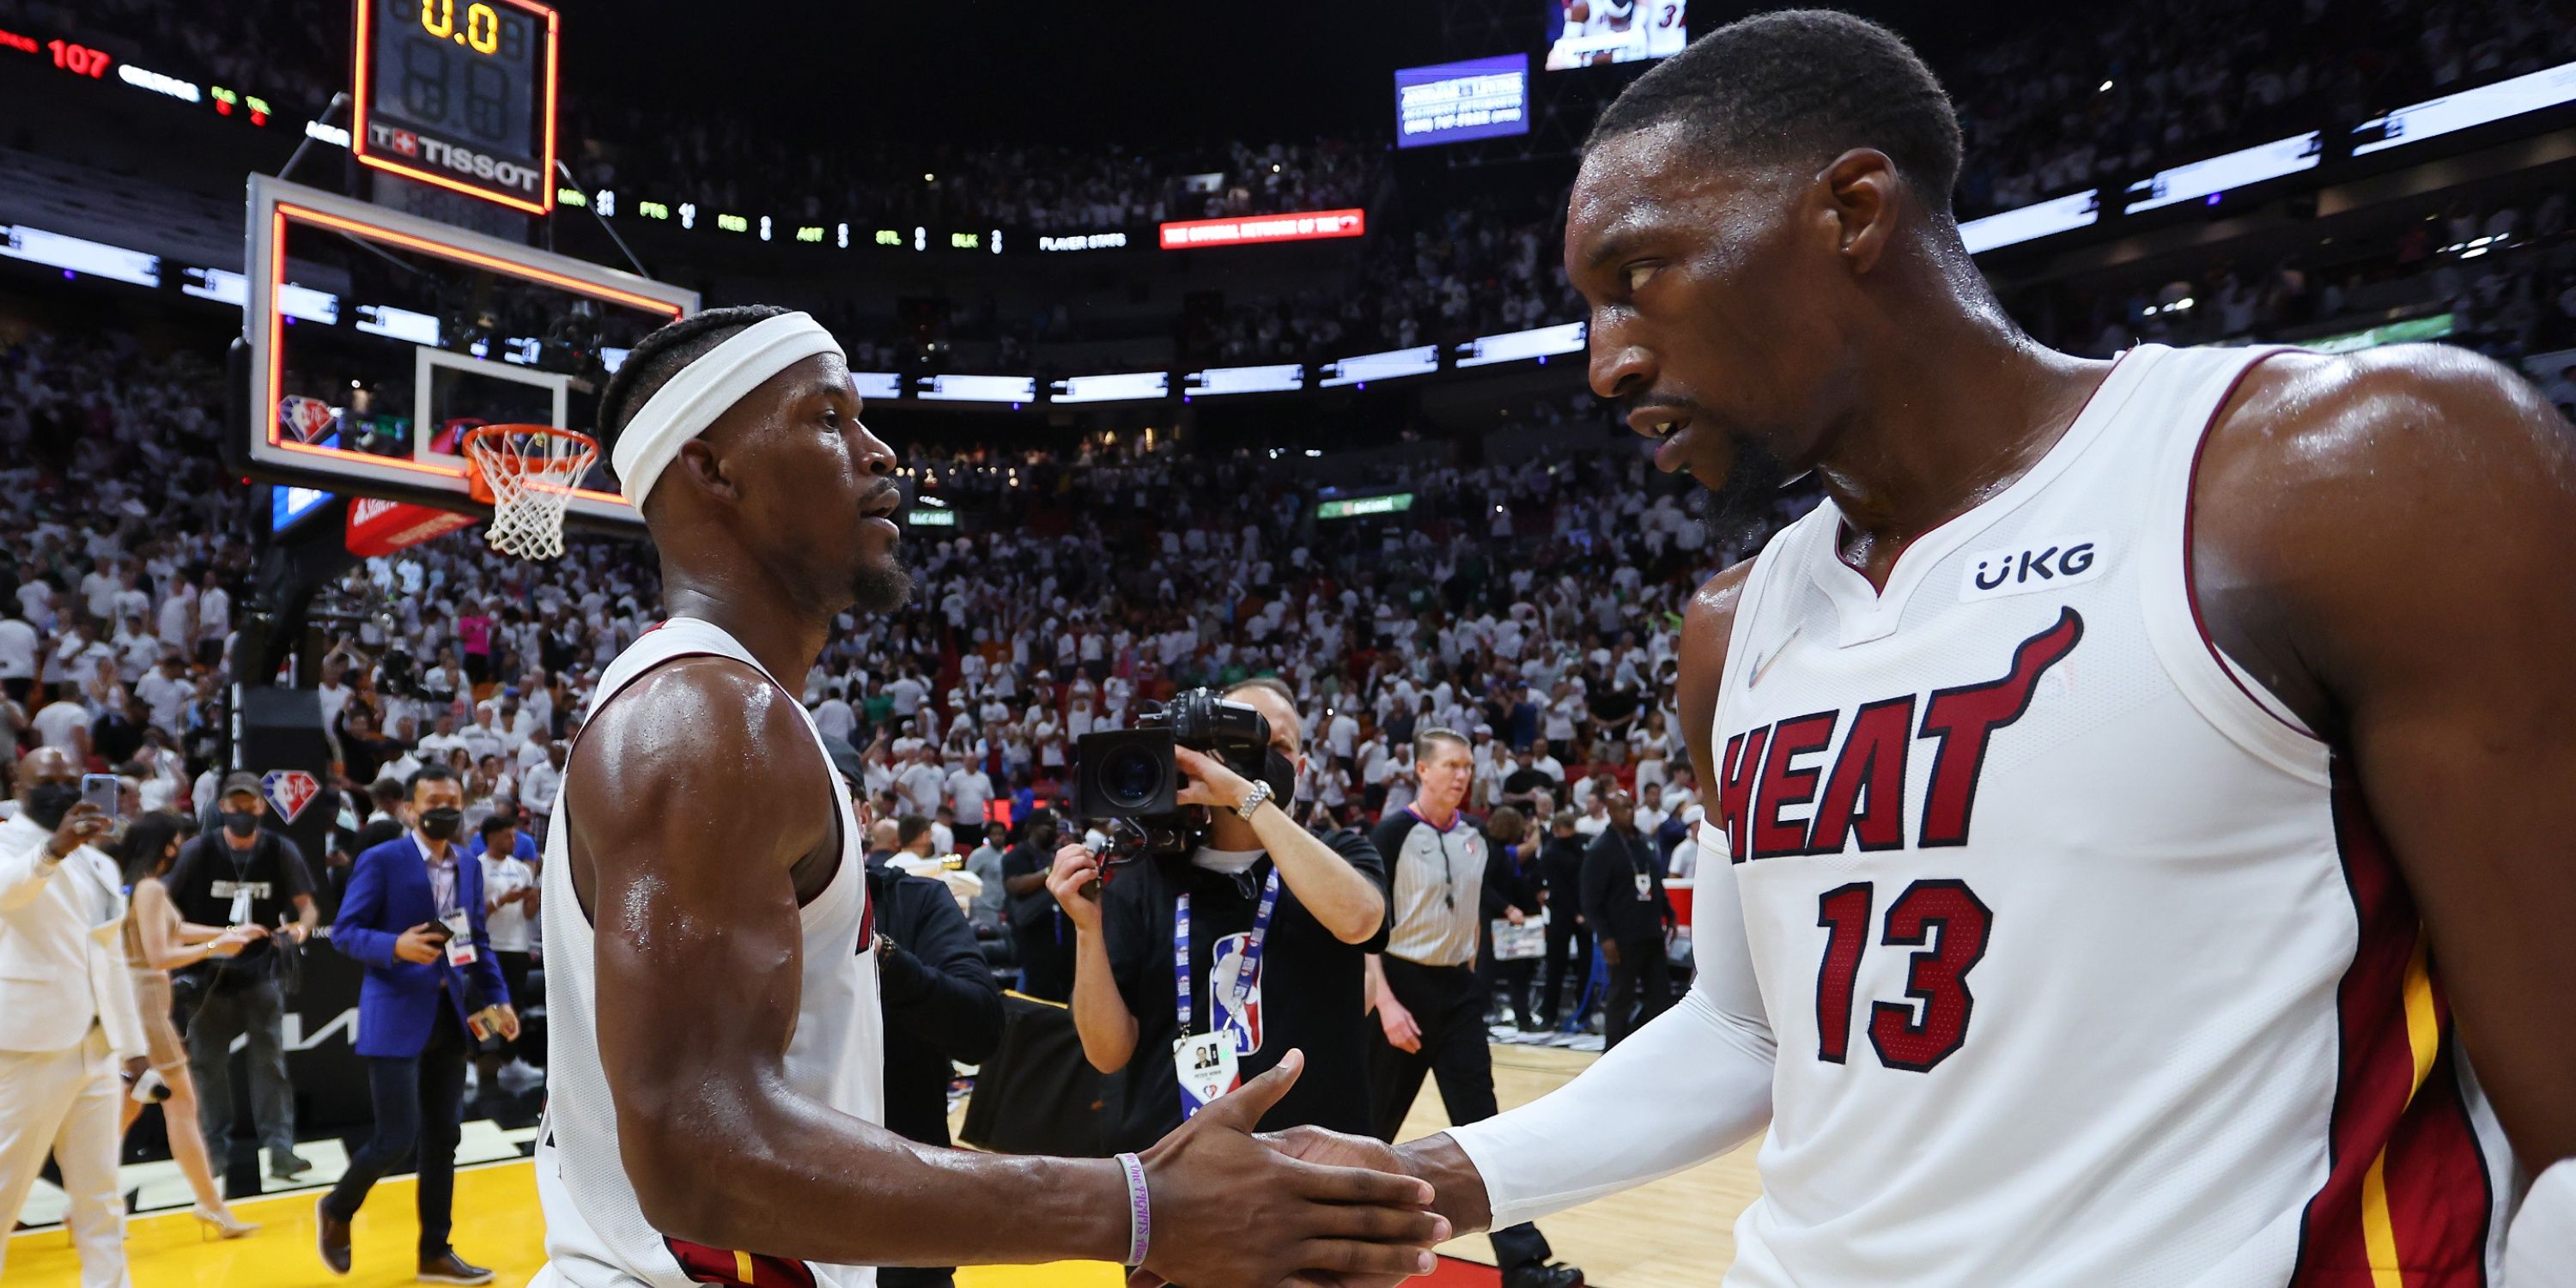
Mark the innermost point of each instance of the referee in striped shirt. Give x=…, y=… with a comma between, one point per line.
x=1430, y=1004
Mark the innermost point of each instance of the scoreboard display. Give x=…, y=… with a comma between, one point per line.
x=459, y=94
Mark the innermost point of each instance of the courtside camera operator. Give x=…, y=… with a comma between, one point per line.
x=238, y=873
x=1203, y=964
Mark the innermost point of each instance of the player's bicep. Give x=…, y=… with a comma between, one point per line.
x=690, y=833
x=2436, y=601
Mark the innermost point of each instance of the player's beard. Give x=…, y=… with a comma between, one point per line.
x=1740, y=512
x=881, y=585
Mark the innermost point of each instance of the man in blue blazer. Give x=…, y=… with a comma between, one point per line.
x=413, y=912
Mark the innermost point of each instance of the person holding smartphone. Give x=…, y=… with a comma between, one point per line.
x=68, y=1024
x=415, y=915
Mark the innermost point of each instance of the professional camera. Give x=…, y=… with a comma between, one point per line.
x=1131, y=774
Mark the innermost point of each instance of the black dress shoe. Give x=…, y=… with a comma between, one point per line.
x=449, y=1268
x=333, y=1237
x=1536, y=1275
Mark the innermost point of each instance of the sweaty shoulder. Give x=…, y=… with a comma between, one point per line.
x=697, y=741
x=1708, y=622
x=2397, y=478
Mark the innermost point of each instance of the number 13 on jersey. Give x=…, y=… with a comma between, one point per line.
x=1947, y=925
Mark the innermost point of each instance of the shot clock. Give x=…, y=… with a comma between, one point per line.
x=459, y=94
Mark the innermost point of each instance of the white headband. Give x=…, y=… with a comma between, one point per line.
x=706, y=389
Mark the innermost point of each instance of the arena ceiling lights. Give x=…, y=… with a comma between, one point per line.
x=2029, y=223
x=80, y=255
x=2467, y=109
x=2209, y=180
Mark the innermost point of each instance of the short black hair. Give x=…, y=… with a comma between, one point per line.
x=497, y=823
x=426, y=774
x=909, y=828
x=1800, y=86
x=387, y=790
x=659, y=356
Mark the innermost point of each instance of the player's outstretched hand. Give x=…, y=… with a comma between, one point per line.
x=1231, y=1211
x=1336, y=1149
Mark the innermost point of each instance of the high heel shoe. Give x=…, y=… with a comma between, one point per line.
x=223, y=1224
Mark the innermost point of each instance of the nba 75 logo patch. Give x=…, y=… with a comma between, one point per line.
x=2038, y=565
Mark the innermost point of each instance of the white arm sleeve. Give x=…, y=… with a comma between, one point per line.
x=1687, y=1087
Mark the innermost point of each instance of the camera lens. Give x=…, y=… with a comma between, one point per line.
x=1131, y=778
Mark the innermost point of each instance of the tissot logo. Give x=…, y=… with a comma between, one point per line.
x=462, y=160
x=2034, y=566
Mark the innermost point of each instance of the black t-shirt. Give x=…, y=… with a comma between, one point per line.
x=209, y=872
x=1312, y=989
x=1039, y=929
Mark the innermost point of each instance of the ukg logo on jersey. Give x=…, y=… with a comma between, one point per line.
x=2039, y=565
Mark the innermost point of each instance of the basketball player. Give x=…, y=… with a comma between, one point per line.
x=2142, y=790
x=715, y=1088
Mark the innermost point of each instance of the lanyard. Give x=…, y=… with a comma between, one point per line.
x=1244, y=974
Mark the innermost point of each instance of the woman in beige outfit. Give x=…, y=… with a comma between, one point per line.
x=157, y=941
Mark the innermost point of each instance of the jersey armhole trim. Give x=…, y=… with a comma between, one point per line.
x=2222, y=691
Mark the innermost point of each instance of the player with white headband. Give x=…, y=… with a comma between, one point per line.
x=714, y=1094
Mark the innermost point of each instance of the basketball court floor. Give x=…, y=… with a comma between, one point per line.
x=1675, y=1233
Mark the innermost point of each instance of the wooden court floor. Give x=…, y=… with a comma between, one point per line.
x=1675, y=1233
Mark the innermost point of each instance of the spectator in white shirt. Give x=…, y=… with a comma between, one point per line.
x=539, y=785
x=920, y=784
x=214, y=619
x=177, y=623
x=20, y=641
x=480, y=738
x=833, y=715
x=443, y=739
x=64, y=724
x=1596, y=815
x=1342, y=735
x=165, y=691
x=970, y=790
x=907, y=691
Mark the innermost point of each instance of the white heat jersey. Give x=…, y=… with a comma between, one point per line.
x=2087, y=966
x=596, y=1234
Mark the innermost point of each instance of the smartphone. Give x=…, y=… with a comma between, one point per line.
x=150, y=1089
x=104, y=791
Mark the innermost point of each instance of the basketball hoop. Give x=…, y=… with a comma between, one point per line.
x=526, y=473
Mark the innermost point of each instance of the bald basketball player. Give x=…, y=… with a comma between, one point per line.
x=715, y=1088
x=2142, y=793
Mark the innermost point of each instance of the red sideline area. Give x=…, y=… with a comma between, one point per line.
x=1453, y=1273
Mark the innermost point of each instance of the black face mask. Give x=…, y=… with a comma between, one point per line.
x=48, y=802
x=1281, y=773
x=241, y=823
x=441, y=824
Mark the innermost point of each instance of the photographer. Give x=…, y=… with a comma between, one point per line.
x=1278, y=921
x=241, y=874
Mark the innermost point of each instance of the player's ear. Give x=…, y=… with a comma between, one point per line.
x=1860, y=189
x=704, y=467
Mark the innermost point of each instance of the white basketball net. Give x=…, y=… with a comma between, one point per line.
x=532, y=476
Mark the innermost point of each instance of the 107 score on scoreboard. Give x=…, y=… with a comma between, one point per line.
x=460, y=100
